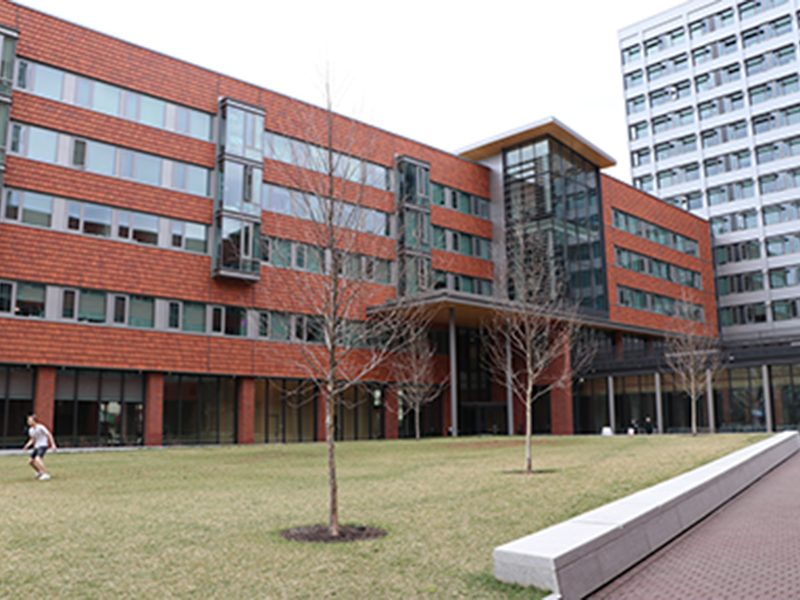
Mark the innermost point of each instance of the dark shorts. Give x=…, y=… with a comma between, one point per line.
x=38, y=452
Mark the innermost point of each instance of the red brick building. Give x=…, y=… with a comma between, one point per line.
x=124, y=319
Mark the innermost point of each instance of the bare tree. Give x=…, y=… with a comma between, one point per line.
x=692, y=353
x=348, y=349
x=415, y=371
x=537, y=341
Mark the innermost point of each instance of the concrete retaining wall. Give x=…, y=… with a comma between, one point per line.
x=578, y=556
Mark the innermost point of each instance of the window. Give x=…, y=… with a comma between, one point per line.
x=29, y=207
x=95, y=95
x=194, y=317
x=92, y=307
x=174, y=315
x=68, y=304
x=142, y=312
x=41, y=144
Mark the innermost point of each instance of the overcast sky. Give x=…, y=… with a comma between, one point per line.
x=446, y=73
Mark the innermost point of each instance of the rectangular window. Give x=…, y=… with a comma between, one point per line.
x=174, y=315
x=68, y=304
x=142, y=312
x=92, y=306
x=194, y=317
x=30, y=300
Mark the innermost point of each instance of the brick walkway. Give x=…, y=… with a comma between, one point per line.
x=749, y=548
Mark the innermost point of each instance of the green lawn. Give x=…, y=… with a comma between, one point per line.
x=204, y=522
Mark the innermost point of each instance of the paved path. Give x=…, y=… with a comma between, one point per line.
x=749, y=548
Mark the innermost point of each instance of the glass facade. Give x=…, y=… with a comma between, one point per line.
x=739, y=400
x=285, y=411
x=199, y=410
x=99, y=408
x=16, y=403
x=553, y=194
x=590, y=399
x=414, y=223
x=678, y=407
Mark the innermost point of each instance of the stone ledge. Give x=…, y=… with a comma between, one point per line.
x=578, y=556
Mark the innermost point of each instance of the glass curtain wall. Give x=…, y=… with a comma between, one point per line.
x=785, y=396
x=634, y=401
x=739, y=400
x=286, y=411
x=16, y=403
x=99, y=408
x=360, y=415
x=478, y=412
x=552, y=195
x=199, y=410
x=678, y=407
x=591, y=405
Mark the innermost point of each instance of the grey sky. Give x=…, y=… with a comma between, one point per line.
x=447, y=73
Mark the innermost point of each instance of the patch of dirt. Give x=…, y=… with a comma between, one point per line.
x=321, y=533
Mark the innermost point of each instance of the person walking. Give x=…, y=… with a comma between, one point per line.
x=40, y=438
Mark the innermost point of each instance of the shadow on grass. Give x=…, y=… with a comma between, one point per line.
x=486, y=583
x=534, y=472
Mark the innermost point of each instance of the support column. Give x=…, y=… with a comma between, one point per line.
x=509, y=389
x=44, y=396
x=391, y=413
x=154, y=409
x=710, y=402
x=246, y=411
x=659, y=404
x=453, y=373
x=767, y=398
x=612, y=410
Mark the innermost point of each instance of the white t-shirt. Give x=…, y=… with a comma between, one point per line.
x=40, y=435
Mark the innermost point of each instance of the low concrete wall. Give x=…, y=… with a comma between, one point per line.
x=578, y=556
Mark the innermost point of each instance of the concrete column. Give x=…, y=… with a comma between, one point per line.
x=453, y=373
x=246, y=411
x=154, y=409
x=612, y=411
x=767, y=398
x=710, y=402
x=391, y=414
x=659, y=404
x=44, y=396
x=509, y=389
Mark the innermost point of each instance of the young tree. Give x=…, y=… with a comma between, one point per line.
x=415, y=371
x=691, y=354
x=537, y=341
x=346, y=348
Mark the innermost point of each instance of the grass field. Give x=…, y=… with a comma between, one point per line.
x=204, y=522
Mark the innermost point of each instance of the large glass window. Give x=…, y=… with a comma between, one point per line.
x=99, y=408
x=16, y=403
x=199, y=410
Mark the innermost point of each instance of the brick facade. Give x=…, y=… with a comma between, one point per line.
x=58, y=258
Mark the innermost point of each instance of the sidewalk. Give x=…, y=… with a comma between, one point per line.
x=749, y=548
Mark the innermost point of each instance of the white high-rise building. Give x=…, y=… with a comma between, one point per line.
x=712, y=94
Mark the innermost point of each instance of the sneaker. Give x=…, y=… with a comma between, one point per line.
x=37, y=476
x=44, y=477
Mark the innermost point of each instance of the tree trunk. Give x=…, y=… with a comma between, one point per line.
x=416, y=422
x=333, y=515
x=694, y=408
x=528, y=435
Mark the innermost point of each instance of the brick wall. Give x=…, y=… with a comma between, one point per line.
x=635, y=202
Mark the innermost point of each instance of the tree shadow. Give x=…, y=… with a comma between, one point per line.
x=534, y=472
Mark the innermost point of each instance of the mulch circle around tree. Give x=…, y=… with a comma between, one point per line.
x=321, y=533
